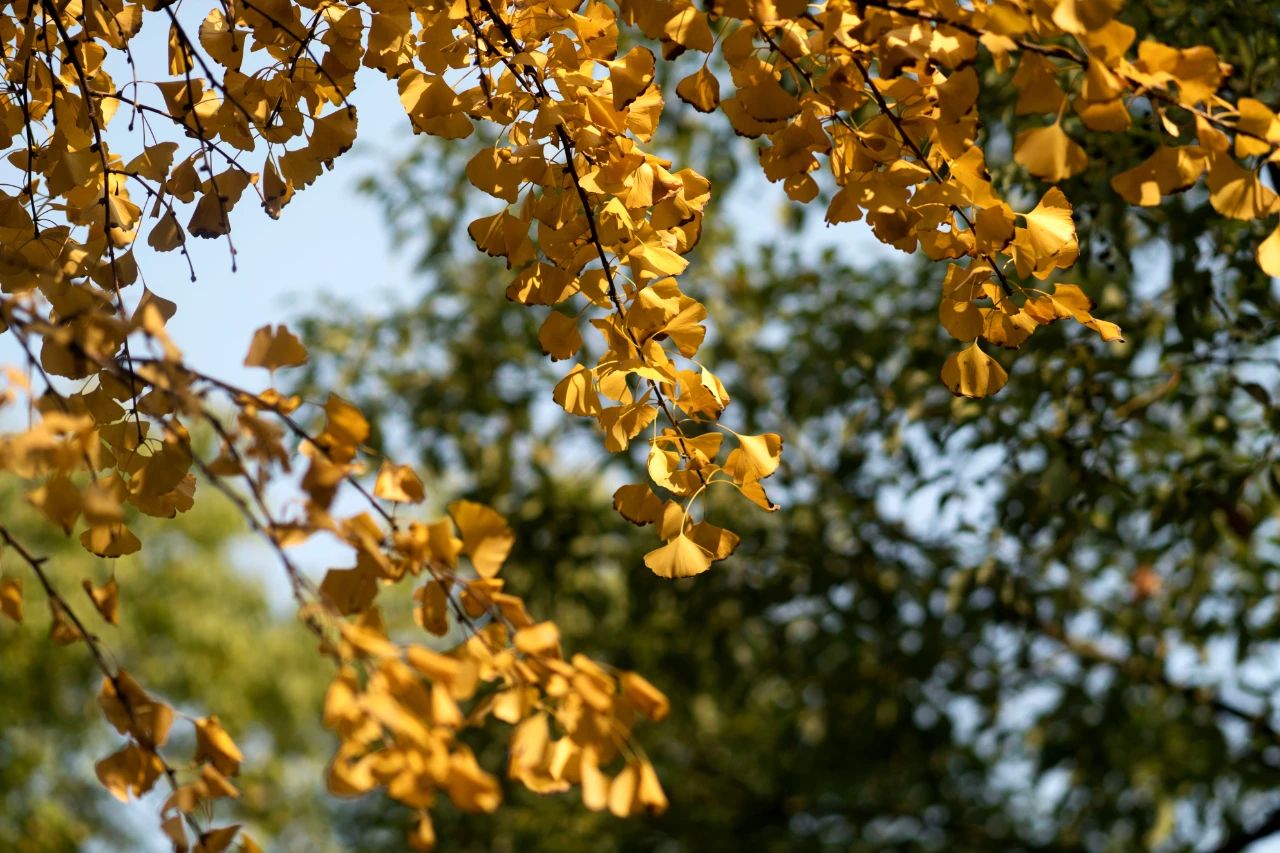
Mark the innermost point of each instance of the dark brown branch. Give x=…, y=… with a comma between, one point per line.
x=1246, y=837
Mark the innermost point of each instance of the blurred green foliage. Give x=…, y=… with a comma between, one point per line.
x=195, y=631
x=1045, y=620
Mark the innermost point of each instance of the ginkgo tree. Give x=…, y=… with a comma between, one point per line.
x=875, y=100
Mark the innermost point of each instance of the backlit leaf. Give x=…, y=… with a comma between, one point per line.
x=679, y=558
x=1049, y=154
x=11, y=598
x=973, y=373
x=275, y=347
x=486, y=537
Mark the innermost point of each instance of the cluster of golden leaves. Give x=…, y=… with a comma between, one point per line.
x=398, y=709
x=887, y=93
x=596, y=229
x=396, y=704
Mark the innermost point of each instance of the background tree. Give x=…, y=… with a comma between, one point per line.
x=1061, y=640
x=206, y=634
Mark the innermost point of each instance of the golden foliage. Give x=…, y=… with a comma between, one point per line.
x=256, y=98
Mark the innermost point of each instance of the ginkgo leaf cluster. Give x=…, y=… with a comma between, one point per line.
x=877, y=102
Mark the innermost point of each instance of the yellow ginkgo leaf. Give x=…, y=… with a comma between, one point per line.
x=650, y=794
x=755, y=457
x=1037, y=85
x=962, y=320
x=105, y=598
x=700, y=90
x=399, y=484
x=1048, y=153
x=623, y=800
x=503, y=236
x=1167, y=171
x=685, y=329
x=993, y=227
x=1269, y=254
x=132, y=770
x=1070, y=300
x=154, y=161
x=174, y=828
x=164, y=308
x=11, y=598
x=768, y=100
x=275, y=347
x=276, y=191
x=1050, y=225
x=595, y=784
x=1107, y=116
x=1006, y=330
x=559, y=336
x=469, y=786
x=648, y=699
x=540, y=639
x=423, y=836
x=664, y=469
x=636, y=789
x=576, y=393
x=715, y=388
x=433, y=106
x=166, y=234
x=218, y=839
x=1049, y=240
x=349, y=590
x=973, y=373
x=486, y=537
x=59, y=500
x=124, y=214
x=1258, y=126
x=1083, y=16
x=1236, y=192
x=212, y=214
x=441, y=669
x=689, y=28
x=223, y=42
x=345, y=429
x=110, y=540
x=630, y=76
x=1108, y=331
x=215, y=785
x=493, y=171
x=716, y=541
x=432, y=612
x=755, y=493
x=215, y=745
x=623, y=423
x=637, y=504
x=128, y=707
x=442, y=546
x=679, y=558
